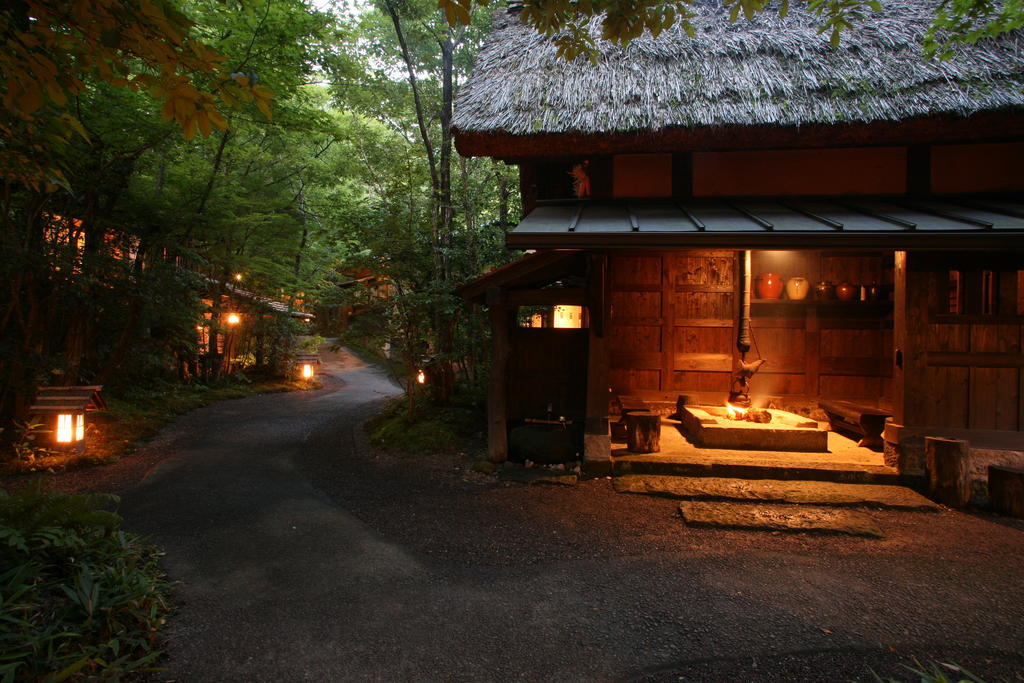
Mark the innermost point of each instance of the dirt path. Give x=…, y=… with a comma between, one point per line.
x=305, y=555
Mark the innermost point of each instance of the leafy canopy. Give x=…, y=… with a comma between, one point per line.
x=54, y=49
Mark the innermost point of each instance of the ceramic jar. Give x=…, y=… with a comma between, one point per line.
x=824, y=291
x=847, y=292
x=797, y=288
x=769, y=286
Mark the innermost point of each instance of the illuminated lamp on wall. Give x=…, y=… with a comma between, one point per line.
x=421, y=377
x=62, y=410
x=567, y=317
x=305, y=364
x=234, y=319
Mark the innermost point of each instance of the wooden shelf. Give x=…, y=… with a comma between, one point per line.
x=830, y=308
x=821, y=302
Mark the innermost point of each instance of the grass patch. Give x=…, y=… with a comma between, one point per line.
x=434, y=428
x=132, y=416
x=80, y=598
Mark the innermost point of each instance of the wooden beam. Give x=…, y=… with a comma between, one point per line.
x=919, y=170
x=703, y=362
x=497, y=395
x=567, y=296
x=974, y=359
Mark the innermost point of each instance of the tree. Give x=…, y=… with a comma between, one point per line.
x=54, y=50
x=956, y=21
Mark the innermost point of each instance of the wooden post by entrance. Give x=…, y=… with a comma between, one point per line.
x=497, y=393
x=597, y=443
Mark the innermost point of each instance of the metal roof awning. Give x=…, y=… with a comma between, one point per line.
x=778, y=223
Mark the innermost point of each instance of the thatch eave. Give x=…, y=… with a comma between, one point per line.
x=990, y=126
x=766, y=74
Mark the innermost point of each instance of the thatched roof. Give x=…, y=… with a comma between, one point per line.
x=768, y=71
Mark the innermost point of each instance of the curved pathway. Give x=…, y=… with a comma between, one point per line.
x=303, y=555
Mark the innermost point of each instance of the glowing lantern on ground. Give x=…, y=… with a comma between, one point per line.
x=306, y=364
x=238, y=277
x=63, y=409
x=567, y=317
x=421, y=377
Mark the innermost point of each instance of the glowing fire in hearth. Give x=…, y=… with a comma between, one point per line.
x=735, y=412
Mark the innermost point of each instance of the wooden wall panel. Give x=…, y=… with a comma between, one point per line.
x=995, y=393
x=626, y=380
x=874, y=170
x=853, y=269
x=971, y=375
x=703, y=339
x=632, y=305
x=635, y=338
x=714, y=382
x=977, y=168
x=546, y=366
x=944, y=398
x=778, y=384
x=633, y=271
x=852, y=386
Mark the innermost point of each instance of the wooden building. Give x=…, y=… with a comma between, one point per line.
x=866, y=165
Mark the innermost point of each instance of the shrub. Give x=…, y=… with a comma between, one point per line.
x=78, y=597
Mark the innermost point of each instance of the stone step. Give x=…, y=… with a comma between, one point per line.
x=823, y=493
x=755, y=468
x=780, y=518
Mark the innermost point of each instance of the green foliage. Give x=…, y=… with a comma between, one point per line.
x=79, y=597
x=434, y=428
x=23, y=444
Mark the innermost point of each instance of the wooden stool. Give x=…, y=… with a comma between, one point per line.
x=1006, y=490
x=627, y=405
x=644, y=432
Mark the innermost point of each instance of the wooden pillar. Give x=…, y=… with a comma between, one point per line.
x=910, y=341
x=497, y=393
x=597, y=445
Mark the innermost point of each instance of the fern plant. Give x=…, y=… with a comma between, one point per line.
x=81, y=598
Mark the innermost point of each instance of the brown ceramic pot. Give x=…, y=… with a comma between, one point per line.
x=769, y=286
x=847, y=292
x=824, y=291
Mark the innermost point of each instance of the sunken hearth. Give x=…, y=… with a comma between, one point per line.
x=711, y=427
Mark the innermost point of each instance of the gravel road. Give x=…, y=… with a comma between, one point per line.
x=303, y=554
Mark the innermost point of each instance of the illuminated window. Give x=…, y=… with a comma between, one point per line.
x=567, y=317
x=64, y=430
x=79, y=427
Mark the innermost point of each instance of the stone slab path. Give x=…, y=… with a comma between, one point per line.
x=782, y=518
x=775, y=491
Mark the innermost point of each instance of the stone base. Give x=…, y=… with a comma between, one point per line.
x=707, y=428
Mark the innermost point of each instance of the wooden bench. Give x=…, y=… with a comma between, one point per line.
x=848, y=416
